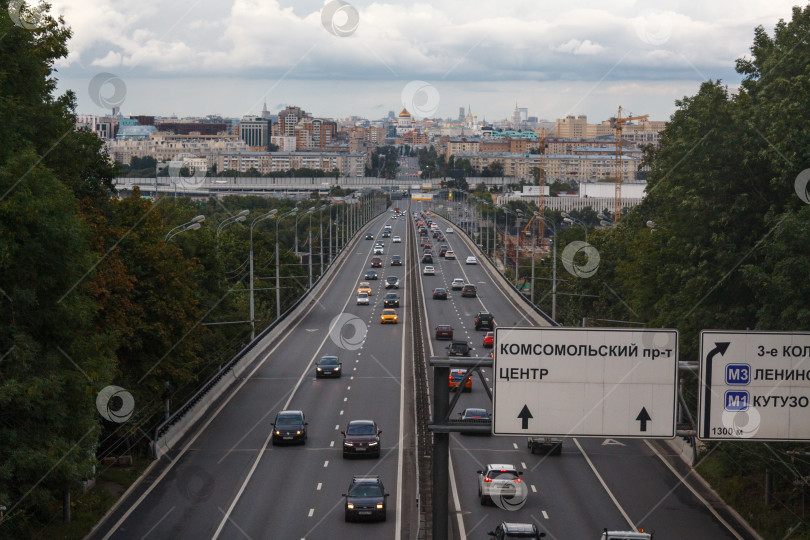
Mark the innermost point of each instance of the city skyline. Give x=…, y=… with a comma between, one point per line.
x=366, y=58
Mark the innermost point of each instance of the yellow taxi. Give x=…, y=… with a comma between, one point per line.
x=364, y=287
x=388, y=316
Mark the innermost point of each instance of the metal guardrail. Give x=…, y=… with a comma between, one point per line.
x=180, y=412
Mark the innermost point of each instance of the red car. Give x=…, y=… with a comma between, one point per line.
x=376, y=262
x=444, y=331
x=489, y=339
x=456, y=377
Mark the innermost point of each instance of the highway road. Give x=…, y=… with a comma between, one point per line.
x=595, y=483
x=226, y=480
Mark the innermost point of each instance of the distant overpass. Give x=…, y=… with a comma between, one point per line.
x=221, y=186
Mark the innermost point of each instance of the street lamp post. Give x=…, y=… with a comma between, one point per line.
x=278, y=268
x=192, y=225
x=568, y=218
x=241, y=216
x=553, y=267
x=268, y=215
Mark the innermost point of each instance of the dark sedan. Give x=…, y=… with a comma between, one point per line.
x=290, y=427
x=371, y=274
x=439, y=294
x=328, y=366
x=361, y=438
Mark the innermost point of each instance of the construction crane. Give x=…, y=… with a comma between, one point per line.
x=619, y=124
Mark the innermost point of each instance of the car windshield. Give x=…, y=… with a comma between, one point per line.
x=365, y=490
x=361, y=429
x=444, y=328
x=392, y=279
x=288, y=419
x=329, y=361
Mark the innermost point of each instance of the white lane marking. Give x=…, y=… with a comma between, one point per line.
x=534, y=489
x=341, y=413
x=400, y=450
x=604, y=485
x=545, y=516
x=332, y=444
x=326, y=463
x=351, y=378
x=348, y=388
x=345, y=399
x=311, y=511
x=523, y=465
x=694, y=492
x=320, y=485
x=337, y=426
x=515, y=445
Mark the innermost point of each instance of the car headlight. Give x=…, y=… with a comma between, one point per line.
x=373, y=443
x=337, y=368
x=350, y=506
x=379, y=506
x=319, y=369
x=298, y=432
x=278, y=432
x=347, y=443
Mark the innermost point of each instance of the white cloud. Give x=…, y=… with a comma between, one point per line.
x=575, y=46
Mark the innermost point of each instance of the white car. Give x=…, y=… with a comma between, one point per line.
x=471, y=260
x=378, y=250
x=449, y=230
x=362, y=299
x=499, y=480
x=396, y=240
x=429, y=271
x=457, y=284
x=450, y=255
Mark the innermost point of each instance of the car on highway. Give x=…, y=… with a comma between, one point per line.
x=396, y=260
x=469, y=291
x=328, y=366
x=459, y=377
x=386, y=234
x=489, y=339
x=471, y=260
x=378, y=250
x=484, y=320
x=364, y=287
x=450, y=255
x=365, y=499
x=439, y=293
x=429, y=271
x=371, y=274
x=391, y=300
x=389, y=316
x=369, y=237
x=376, y=262
x=545, y=445
x=363, y=299
x=474, y=415
x=361, y=438
x=457, y=284
x=290, y=427
x=498, y=480
x=443, y=250
x=396, y=240
x=444, y=331
x=449, y=230
x=427, y=258
x=435, y=234
x=392, y=282
x=458, y=348
x=507, y=531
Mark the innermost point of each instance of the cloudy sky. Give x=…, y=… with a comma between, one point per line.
x=335, y=59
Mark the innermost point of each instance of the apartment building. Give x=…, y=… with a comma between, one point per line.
x=164, y=146
x=350, y=164
x=557, y=167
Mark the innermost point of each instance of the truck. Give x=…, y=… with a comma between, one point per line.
x=549, y=446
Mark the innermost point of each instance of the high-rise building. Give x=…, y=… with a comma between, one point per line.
x=265, y=113
x=461, y=114
x=288, y=118
x=255, y=131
